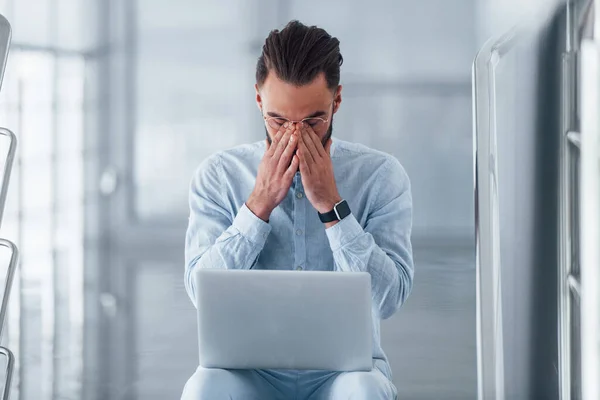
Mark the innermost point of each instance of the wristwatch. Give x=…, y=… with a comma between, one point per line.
x=340, y=211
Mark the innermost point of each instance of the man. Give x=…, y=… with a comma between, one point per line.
x=261, y=205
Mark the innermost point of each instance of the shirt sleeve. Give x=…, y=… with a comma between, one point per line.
x=383, y=248
x=214, y=237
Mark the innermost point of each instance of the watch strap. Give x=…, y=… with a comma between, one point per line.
x=340, y=211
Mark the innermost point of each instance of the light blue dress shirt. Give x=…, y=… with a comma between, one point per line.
x=224, y=233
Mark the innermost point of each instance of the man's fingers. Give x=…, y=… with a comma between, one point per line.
x=278, y=135
x=283, y=142
x=292, y=145
x=305, y=156
x=306, y=152
x=315, y=141
x=309, y=142
x=291, y=170
x=303, y=163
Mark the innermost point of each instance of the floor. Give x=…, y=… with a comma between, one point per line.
x=430, y=342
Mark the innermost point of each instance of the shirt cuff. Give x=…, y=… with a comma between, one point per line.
x=251, y=227
x=343, y=232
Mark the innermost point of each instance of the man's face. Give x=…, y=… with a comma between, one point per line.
x=280, y=101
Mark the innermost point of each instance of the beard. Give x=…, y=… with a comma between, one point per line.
x=323, y=141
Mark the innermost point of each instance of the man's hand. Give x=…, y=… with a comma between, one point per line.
x=275, y=172
x=316, y=170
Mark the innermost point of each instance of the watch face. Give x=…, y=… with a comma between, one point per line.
x=343, y=209
x=339, y=212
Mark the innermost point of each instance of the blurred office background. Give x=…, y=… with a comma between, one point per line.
x=115, y=102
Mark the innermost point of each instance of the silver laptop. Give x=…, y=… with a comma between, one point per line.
x=261, y=319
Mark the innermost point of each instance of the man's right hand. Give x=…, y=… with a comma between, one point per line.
x=275, y=172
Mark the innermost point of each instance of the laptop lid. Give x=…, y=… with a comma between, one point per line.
x=261, y=319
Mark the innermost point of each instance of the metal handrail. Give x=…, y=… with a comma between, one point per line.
x=581, y=101
x=6, y=34
x=590, y=224
x=11, y=154
x=485, y=310
x=10, y=366
x=490, y=353
x=12, y=266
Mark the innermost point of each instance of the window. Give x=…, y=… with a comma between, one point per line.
x=42, y=103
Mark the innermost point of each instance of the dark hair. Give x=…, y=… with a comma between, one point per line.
x=298, y=53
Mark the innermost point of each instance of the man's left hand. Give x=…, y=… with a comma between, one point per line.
x=316, y=170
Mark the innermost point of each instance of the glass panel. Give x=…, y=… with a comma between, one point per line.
x=515, y=167
x=38, y=101
x=9, y=96
x=35, y=75
x=36, y=239
x=69, y=115
x=10, y=117
x=68, y=234
x=512, y=264
x=69, y=135
x=198, y=15
x=77, y=23
x=590, y=221
x=37, y=187
x=66, y=24
x=10, y=228
x=31, y=21
x=164, y=316
x=69, y=186
x=430, y=52
x=33, y=355
x=6, y=8
x=192, y=96
x=436, y=150
x=190, y=105
x=166, y=158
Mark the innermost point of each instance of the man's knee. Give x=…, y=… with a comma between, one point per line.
x=363, y=385
x=216, y=384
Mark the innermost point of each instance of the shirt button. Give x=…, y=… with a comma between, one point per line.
x=299, y=195
x=265, y=235
x=298, y=232
x=299, y=268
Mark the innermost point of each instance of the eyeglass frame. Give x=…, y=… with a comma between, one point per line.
x=325, y=120
x=267, y=119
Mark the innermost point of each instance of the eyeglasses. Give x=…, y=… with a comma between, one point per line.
x=316, y=123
